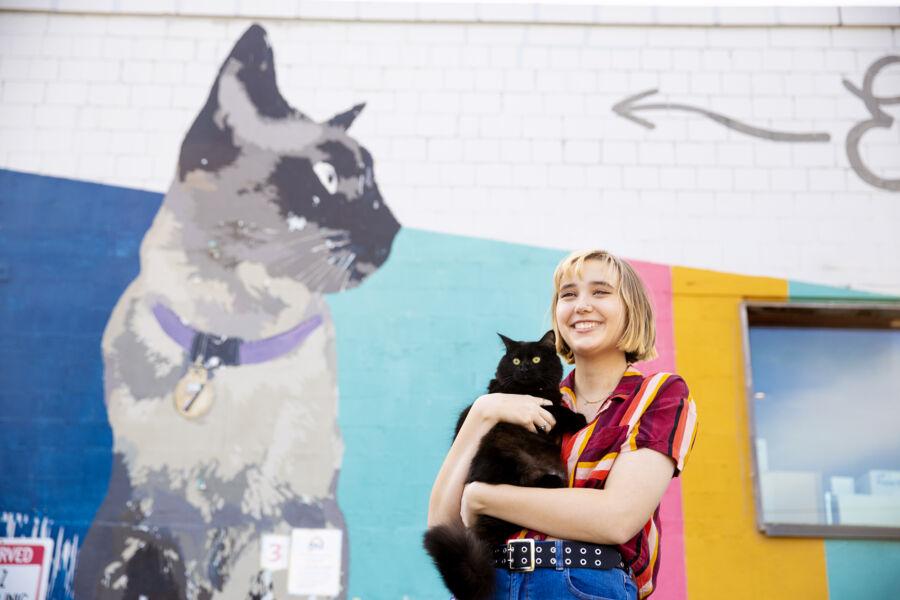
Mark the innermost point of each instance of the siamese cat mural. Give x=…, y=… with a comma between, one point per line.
x=219, y=358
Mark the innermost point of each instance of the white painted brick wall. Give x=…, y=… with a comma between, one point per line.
x=496, y=120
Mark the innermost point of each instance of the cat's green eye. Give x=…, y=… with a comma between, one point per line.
x=536, y=359
x=517, y=361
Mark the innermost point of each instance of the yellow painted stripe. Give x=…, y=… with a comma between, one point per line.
x=725, y=554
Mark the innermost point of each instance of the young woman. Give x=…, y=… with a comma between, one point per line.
x=601, y=534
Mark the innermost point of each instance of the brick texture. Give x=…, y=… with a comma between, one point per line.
x=476, y=111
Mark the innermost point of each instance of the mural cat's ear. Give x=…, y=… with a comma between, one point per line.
x=257, y=72
x=549, y=339
x=244, y=91
x=510, y=344
x=345, y=119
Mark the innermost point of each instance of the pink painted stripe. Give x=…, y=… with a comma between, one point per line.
x=671, y=583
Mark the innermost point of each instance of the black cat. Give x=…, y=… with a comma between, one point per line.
x=507, y=454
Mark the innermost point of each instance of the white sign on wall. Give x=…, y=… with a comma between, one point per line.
x=25, y=567
x=315, y=566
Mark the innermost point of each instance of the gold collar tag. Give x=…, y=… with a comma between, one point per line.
x=194, y=394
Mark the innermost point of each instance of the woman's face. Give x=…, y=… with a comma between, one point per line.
x=590, y=313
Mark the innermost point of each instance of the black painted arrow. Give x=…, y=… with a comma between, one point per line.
x=627, y=107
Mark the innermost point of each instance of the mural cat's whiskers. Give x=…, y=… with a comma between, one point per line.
x=320, y=275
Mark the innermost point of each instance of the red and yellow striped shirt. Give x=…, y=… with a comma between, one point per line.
x=655, y=412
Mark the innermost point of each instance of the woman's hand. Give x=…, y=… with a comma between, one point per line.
x=472, y=502
x=518, y=409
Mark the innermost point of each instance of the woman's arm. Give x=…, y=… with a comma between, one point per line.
x=487, y=411
x=613, y=515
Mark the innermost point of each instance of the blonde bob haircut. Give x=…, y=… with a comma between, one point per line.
x=639, y=336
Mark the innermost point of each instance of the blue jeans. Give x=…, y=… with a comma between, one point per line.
x=549, y=584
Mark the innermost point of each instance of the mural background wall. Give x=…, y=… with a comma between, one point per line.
x=498, y=149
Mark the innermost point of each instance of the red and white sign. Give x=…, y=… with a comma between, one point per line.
x=25, y=567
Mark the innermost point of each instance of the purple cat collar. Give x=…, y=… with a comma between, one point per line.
x=231, y=350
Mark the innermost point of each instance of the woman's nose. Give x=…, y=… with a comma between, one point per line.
x=582, y=307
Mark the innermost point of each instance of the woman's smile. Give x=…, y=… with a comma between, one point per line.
x=585, y=326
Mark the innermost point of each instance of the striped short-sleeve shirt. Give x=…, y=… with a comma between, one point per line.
x=654, y=412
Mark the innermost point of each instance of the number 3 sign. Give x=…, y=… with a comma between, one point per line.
x=274, y=551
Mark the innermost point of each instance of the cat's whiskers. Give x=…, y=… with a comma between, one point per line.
x=347, y=261
x=335, y=279
x=346, y=279
x=308, y=238
x=298, y=249
x=311, y=237
x=342, y=272
x=339, y=244
x=319, y=273
x=309, y=268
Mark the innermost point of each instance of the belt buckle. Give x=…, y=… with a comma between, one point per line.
x=513, y=556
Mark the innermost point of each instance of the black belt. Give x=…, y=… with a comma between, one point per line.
x=528, y=554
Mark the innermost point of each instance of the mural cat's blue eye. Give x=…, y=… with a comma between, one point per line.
x=327, y=175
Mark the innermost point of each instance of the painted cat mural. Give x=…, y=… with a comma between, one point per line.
x=219, y=358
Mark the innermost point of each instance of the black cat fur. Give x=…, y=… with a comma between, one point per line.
x=507, y=454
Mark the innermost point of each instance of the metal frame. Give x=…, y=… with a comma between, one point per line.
x=793, y=529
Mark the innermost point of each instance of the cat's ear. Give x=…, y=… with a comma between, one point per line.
x=345, y=119
x=510, y=344
x=549, y=339
x=253, y=63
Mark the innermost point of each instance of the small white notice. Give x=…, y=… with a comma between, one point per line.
x=315, y=567
x=274, y=551
x=25, y=567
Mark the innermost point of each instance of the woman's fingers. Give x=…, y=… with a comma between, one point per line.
x=547, y=416
x=542, y=420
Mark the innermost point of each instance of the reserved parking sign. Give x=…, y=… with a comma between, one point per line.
x=25, y=567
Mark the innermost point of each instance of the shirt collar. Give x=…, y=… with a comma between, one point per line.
x=629, y=382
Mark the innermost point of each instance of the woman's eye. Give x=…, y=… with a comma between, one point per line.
x=327, y=176
x=517, y=361
x=536, y=359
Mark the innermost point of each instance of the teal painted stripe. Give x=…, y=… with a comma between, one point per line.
x=856, y=569
x=799, y=291
x=416, y=343
x=862, y=569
